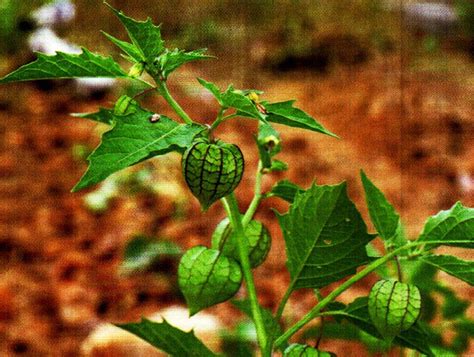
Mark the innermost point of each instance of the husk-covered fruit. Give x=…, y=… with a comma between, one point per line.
x=257, y=236
x=212, y=170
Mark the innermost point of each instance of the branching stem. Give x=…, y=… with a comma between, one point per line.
x=315, y=311
x=236, y=222
x=163, y=89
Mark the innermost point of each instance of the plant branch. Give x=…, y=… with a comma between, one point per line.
x=315, y=311
x=257, y=198
x=163, y=89
x=235, y=220
x=220, y=118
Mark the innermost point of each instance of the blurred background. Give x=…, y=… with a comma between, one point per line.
x=394, y=79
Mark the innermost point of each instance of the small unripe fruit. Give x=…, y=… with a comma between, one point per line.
x=258, y=241
x=393, y=307
x=212, y=170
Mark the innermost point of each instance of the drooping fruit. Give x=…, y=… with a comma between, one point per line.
x=258, y=241
x=393, y=307
x=212, y=170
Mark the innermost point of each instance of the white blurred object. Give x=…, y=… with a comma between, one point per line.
x=108, y=340
x=60, y=11
x=46, y=41
x=466, y=183
x=87, y=86
x=430, y=16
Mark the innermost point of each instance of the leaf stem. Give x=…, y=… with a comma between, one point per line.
x=315, y=311
x=257, y=198
x=235, y=220
x=220, y=118
x=163, y=89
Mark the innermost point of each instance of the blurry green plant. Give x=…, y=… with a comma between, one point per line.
x=326, y=239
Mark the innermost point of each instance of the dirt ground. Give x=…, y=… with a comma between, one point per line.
x=411, y=131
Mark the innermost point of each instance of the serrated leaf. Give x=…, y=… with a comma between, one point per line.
x=415, y=337
x=272, y=327
x=65, y=65
x=384, y=217
x=135, y=138
x=233, y=98
x=461, y=269
x=144, y=35
x=212, y=88
x=105, y=116
x=286, y=190
x=298, y=350
x=171, y=60
x=454, y=224
x=129, y=48
x=206, y=278
x=168, y=338
x=284, y=113
x=141, y=252
x=325, y=237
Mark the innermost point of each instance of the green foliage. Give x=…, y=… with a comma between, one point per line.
x=257, y=237
x=168, y=338
x=393, y=307
x=454, y=224
x=325, y=237
x=64, y=65
x=461, y=269
x=297, y=350
x=206, y=277
x=383, y=215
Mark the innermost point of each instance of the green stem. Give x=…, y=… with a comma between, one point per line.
x=235, y=220
x=256, y=198
x=163, y=89
x=220, y=118
x=315, y=311
x=283, y=302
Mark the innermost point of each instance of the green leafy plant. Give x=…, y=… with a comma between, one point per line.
x=326, y=238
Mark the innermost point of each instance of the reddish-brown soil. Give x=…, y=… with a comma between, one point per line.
x=411, y=132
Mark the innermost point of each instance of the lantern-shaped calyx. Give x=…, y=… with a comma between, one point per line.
x=212, y=170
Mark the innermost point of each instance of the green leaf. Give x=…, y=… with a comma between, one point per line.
x=298, y=350
x=207, y=278
x=284, y=113
x=461, y=269
x=286, y=190
x=171, y=60
x=105, y=116
x=325, y=237
x=64, y=65
x=168, y=338
x=384, y=217
x=211, y=87
x=452, y=307
x=129, y=48
x=135, y=138
x=278, y=165
x=144, y=35
x=272, y=327
x=415, y=337
x=141, y=252
x=234, y=98
x=268, y=143
x=457, y=223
